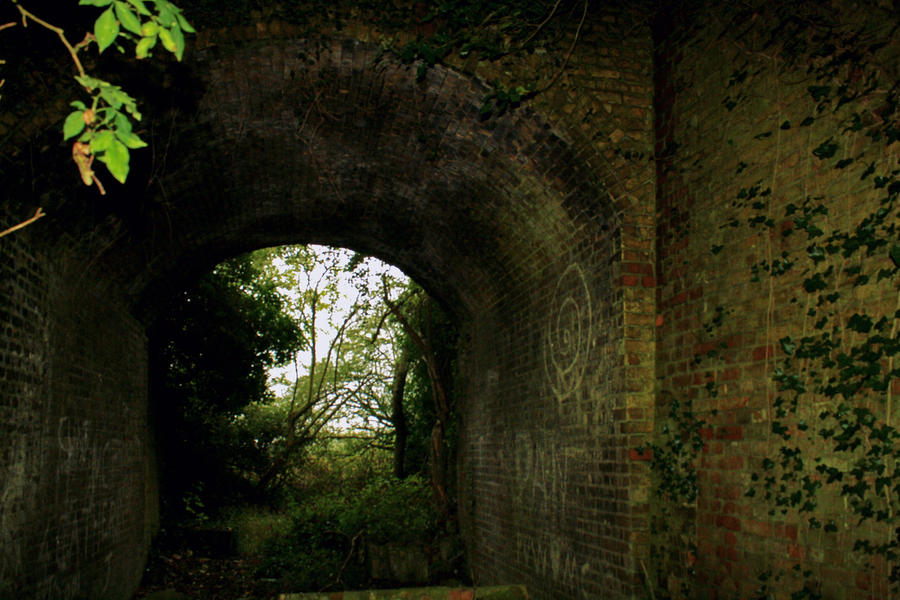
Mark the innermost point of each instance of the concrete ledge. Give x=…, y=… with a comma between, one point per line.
x=500, y=592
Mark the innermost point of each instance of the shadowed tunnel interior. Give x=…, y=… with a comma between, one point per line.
x=323, y=141
x=499, y=220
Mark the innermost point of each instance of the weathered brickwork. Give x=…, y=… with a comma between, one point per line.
x=736, y=113
x=584, y=241
x=534, y=227
x=74, y=499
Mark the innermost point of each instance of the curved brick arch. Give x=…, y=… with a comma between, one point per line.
x=502, y=219
x=510, y=221
x=328, y=142
x=308, y=140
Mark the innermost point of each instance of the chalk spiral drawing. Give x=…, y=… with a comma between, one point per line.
x=568, y=334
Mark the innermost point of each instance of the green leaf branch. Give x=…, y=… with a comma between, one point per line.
x=103, y=127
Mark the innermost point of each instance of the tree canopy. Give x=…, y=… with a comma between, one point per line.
x=210, y=356
x=282, y=351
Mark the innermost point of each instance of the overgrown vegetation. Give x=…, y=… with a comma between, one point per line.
x=334, y=539
x=103, y=127
x=303, y=466
x=210, y=355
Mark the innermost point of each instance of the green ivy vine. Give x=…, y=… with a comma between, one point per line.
x=833, y=408
x=835, y=460
x=492, y=30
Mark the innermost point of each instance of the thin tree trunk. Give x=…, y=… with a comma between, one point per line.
x=398, y=416
x=441, y=404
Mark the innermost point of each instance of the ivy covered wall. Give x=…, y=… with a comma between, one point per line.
x=775, y=455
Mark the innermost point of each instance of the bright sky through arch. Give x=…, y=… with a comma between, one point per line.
x=348, y=290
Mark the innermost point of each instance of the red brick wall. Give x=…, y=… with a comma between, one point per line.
x=732, y=96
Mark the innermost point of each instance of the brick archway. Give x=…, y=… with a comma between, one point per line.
x=332, y=142
x=329, y=142
x=507, y=220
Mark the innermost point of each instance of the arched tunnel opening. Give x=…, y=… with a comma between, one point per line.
x=503, y=221
x=305, y=425
x=498, y=220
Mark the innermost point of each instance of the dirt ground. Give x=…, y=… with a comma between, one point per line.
x=175, y=567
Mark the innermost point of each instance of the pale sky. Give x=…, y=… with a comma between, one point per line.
x=348, y=294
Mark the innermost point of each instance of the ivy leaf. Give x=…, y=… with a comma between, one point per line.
x=116, y=159
x=73, y=125
x=860, y=323
x=895, y=255
x=106, y=29
x=94, y=2
x=814, y=283
x=843, y=163
x=780, y=429
x=819, y=92
x=127, y=18
x=816, y=254
x=788, y=345
x=826, y=149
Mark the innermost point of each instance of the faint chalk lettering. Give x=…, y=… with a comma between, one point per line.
x=549, y=557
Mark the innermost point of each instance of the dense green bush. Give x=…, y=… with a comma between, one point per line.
x=327, y=541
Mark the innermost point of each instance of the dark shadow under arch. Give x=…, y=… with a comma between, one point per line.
x=323, y=141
